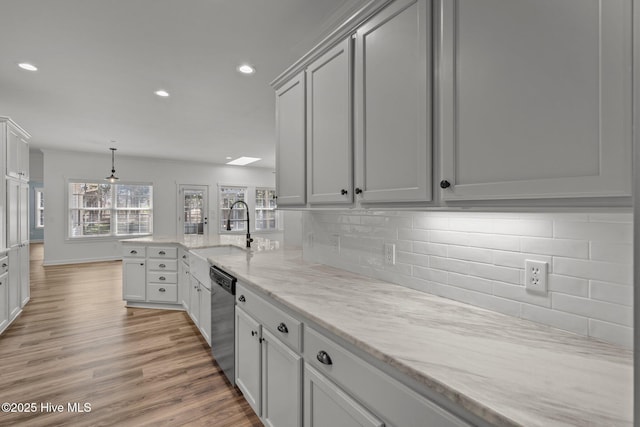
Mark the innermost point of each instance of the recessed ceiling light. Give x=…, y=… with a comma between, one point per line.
x=161, y=92
x=27, y=66
x=242, y=161
x=246, y=69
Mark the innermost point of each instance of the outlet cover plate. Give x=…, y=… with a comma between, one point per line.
x=536, y=276
x=389, y=253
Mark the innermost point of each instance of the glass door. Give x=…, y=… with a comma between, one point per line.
x=192, y=219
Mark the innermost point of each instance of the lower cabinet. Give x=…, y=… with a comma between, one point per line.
x=4, y=301
x=134, y=279
x=268, y=373
x=200, y=307
x=14, y=283
x=326, y=405
x=325, y=381
x=184, y=284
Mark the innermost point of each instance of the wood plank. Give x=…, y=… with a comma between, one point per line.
x=76, y=342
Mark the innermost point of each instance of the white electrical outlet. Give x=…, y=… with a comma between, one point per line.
x=389, y=253
x=535, y=275
x=334, y=243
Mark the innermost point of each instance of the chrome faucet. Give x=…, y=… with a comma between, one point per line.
x=249, y=239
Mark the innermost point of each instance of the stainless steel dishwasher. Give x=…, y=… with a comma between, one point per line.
x=223, y=290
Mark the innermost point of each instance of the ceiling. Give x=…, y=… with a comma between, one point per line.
x=100, y=62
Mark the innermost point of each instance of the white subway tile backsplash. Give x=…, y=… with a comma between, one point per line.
x=611, y=252
x=616, y=334
x=604, y=271
x=569, y=285
x=594, y=309
x=594, y=231
x=610, y=292
x=478, y=258
x=557, y=319
x=559, y=247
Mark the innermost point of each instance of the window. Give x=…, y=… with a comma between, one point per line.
x=228, y=196
x=39, y=208
x=105, y=209
x=266, y=209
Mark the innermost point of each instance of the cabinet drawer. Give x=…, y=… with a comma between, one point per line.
x=162, y=252
x=288, y=329
x=130, y=251
x=162, y=293
x=162, y=277
x=392, y=400
x=163, y=264
x=4, y=264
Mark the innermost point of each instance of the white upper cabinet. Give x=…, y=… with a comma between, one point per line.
x=329, y=130
x=535, y=99
x=393, y=116
x=17, y=153
x=290, y=146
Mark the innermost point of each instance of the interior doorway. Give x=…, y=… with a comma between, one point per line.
x=193, y=208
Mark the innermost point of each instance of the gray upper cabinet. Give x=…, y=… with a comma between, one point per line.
x=393, y=116
x=290, y=146
x=329, y=130
x=535, y=98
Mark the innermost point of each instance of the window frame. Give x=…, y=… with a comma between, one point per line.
x=38, y=210
x=113, y=211
x=270, y=191
x=250, y=192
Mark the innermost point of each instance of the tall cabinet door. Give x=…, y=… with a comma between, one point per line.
x=14, y=282
x=13, y=213
x=290, y=145
x=393, y=95
x=535, y=98
x=24, y=214
x=329, y=132
x=25, y=288
x=248, y=363
x=4, y=303
x=281, y=383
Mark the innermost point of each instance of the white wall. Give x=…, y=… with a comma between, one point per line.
x=478, y=258
x=60, y=166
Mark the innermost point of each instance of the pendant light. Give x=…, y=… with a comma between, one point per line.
x=113, y=177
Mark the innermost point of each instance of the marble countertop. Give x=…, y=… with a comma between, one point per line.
x=508, y=371
x=196, y=241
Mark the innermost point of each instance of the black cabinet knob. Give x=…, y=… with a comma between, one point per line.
x=445, y=184
x=162, y=253
x=283, y=328
x=254, y=333
x=162, y=290
x=323, y=357
x=343, y=192
x=242, y=298
x=358, y=190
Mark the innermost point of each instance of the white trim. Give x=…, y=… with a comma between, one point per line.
x=80, y=261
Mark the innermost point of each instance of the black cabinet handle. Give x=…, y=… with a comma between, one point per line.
x=343, y=192
x=133, y=252
x=323, y=357
x=184, y=257
x=445, y=184
x=358, y=190
x=4, y=265
x=162, y=278
x=162, y=253
x=242, y=298
x=254, y=333
x=142, y=263
x=283, y=328
x=162, y=266
x=162, y=290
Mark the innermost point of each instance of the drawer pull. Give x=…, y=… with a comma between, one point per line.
x=162, y=253
x=162, y=266
x=323, y=357
x=162, y=290
x=4, y=265
x=254, y=333
x=283, y=328
x=142, y=263
x=133, y=252
x=242, y=298
x=184, y=257
x=162, y=278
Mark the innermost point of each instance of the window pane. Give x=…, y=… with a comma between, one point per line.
x=228, y=196
x=92, y=222
x=265, y=209
x=133, y=221
x=133, y=196
x=86, y=195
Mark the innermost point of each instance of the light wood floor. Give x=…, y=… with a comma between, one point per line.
x=75, y=342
